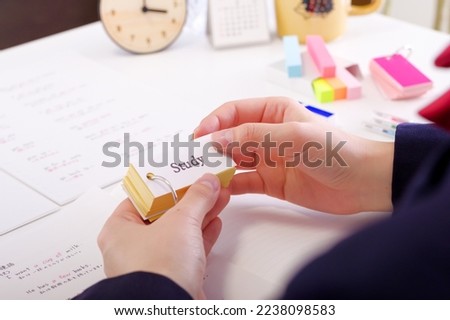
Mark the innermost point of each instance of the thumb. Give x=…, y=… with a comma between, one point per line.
x=199, y=199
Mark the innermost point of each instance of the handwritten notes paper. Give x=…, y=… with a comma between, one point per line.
x=56, y=257
x=20, y=204
x=57, y=115
x=260, y=248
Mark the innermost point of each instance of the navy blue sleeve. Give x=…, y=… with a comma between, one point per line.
x=414, y=144
x=135, y=286
x=405, y=256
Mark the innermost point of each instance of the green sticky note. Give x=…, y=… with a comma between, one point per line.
x=323, y=91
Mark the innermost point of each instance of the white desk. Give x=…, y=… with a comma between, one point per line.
x=204, y=78
x=190, y=79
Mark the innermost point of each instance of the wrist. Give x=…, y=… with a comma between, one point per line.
x=377, y=168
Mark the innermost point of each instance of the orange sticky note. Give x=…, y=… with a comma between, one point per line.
x=340, y=90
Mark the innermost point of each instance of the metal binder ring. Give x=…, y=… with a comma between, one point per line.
x=151, y=176
x=406, y=49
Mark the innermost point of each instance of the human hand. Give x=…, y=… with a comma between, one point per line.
x=305, y=160
x=176, y=245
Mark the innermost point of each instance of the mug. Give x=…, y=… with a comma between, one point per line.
x=326, y=18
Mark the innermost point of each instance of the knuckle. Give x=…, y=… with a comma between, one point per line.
x=285, y=101
x=197, y=197
x=202, y=191
x=248, y=132
x=294, y=128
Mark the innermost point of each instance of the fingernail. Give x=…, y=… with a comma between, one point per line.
x=207, y=125
x=211, y=181
x=194, y=133
x=223, y=138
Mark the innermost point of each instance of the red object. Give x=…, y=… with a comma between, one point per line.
x=444, y=59
x=439, y=110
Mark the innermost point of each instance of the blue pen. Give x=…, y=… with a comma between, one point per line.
x=320, y=112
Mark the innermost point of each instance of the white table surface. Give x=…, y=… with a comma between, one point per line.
x=191, y=79
x=204, y=77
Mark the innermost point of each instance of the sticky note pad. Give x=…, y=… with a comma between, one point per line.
x=323, y=91
x=340, y=90
x=321, y=57
x=354, y=88
x=399, y=78
x=402, y=71
x=292, y=55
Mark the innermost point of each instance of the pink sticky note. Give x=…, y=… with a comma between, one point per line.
x=388, y=90
x=398, y=77
x=354, y=89
x=401, y=70
x=321, y=57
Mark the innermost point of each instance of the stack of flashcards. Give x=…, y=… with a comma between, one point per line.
x=384, y=124
x=335, y=82
x=292, y=55
x=158, y=184
x=398, y=78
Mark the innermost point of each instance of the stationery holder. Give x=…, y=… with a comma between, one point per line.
x=397, y=77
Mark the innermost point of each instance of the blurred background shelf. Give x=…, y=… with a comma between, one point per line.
x=25, y=20
x=431, y=13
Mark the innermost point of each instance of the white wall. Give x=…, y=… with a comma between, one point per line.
x=422, y=12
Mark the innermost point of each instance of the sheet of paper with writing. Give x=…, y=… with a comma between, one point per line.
x=265, y=241
x=57, y=115
x=20, y=205
x=56, y=257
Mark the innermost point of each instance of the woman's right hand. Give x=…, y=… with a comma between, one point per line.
x=292, y=154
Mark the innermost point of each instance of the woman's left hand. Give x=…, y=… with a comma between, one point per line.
x=176, y=245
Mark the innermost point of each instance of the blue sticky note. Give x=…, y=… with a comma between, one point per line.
x=293, y=60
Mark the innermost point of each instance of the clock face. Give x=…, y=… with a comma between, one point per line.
x=143, y=26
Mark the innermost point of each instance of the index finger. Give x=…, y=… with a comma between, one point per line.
x=234, y=113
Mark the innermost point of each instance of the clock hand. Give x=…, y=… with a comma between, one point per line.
x=145, y=9
x=144, y=6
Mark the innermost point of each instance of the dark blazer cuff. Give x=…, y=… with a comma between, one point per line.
x=135, y=286
x=414, y=143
